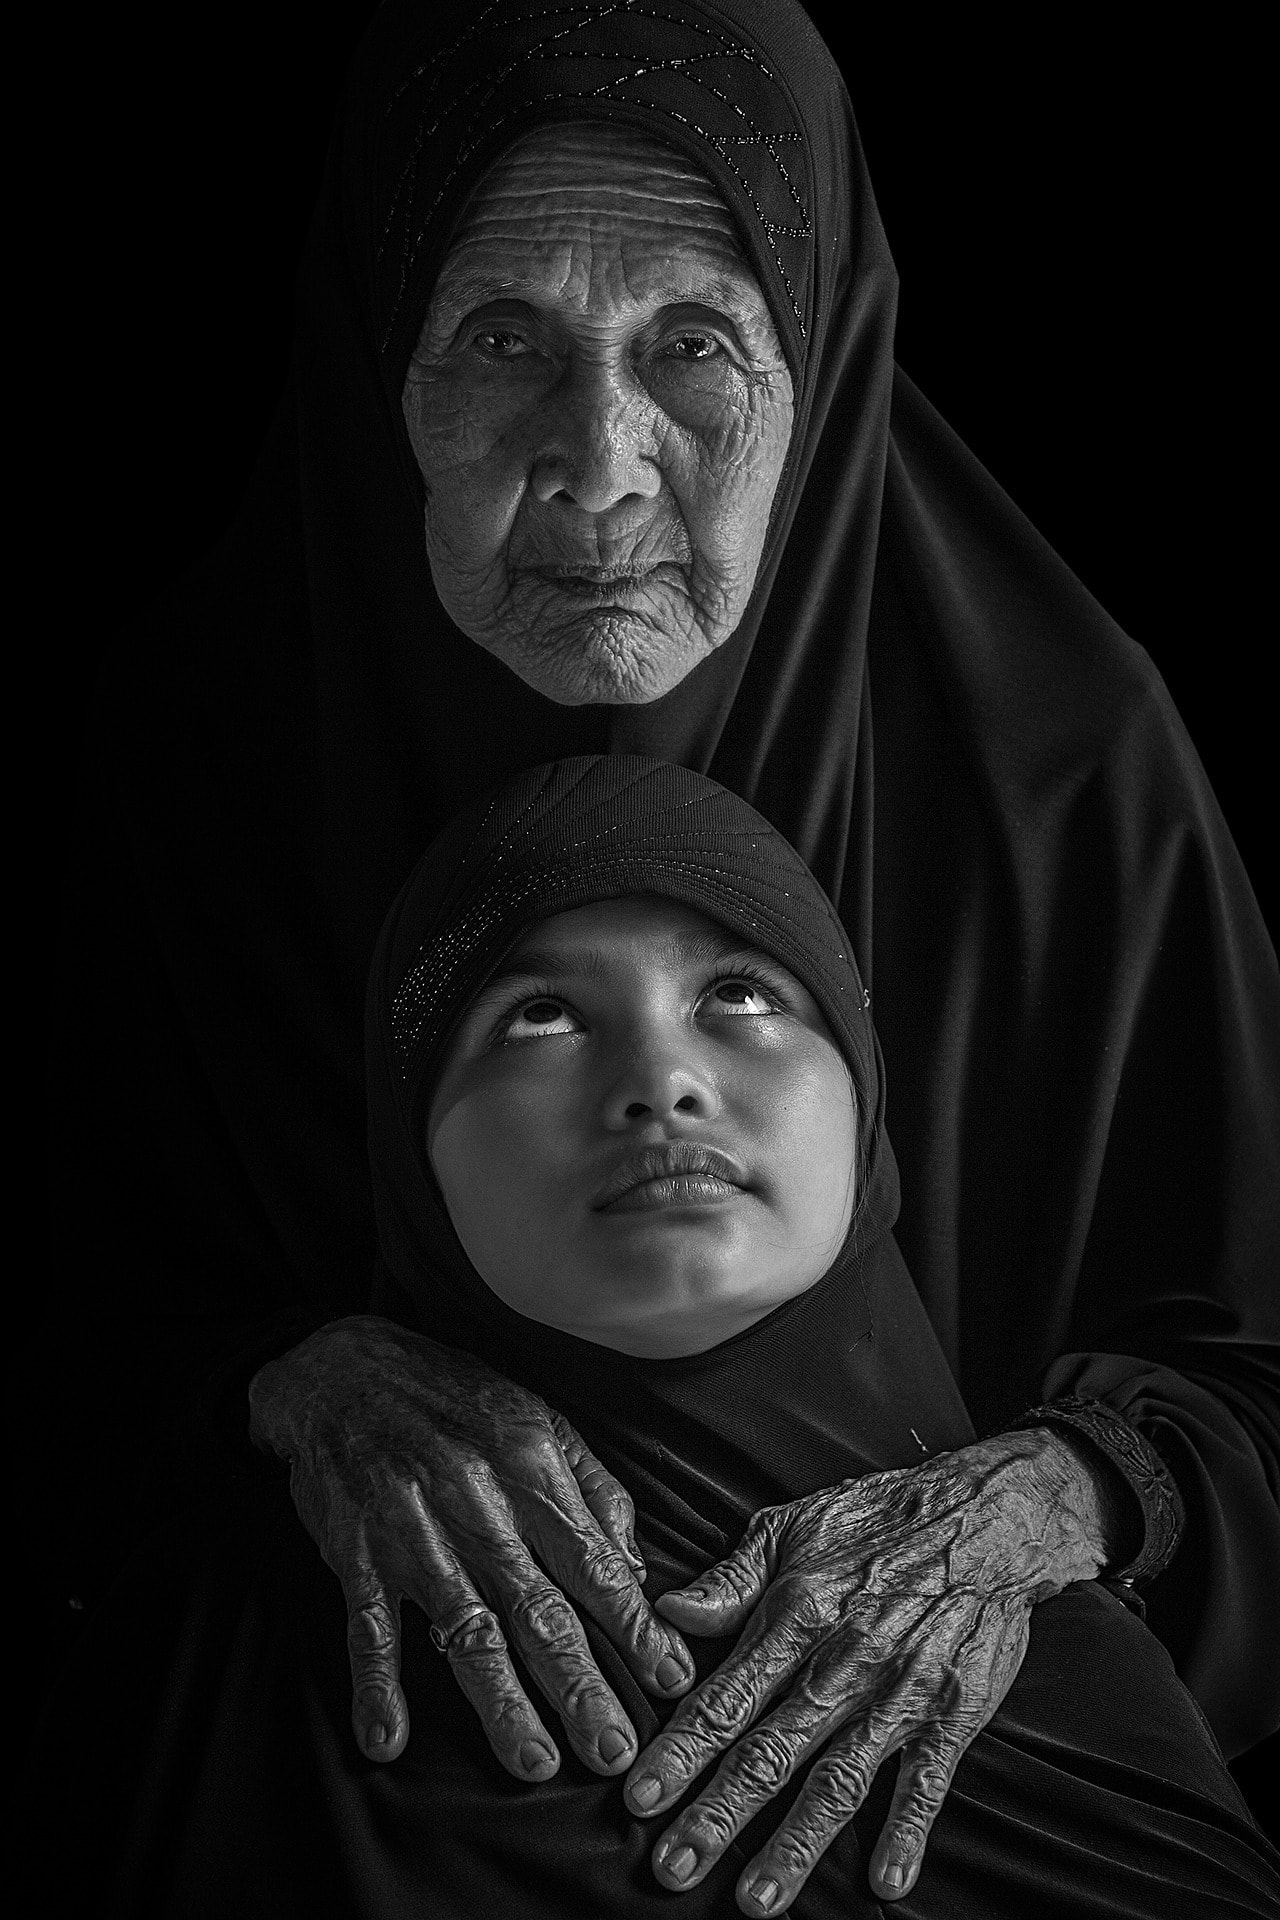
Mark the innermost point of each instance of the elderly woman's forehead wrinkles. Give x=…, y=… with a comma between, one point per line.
x=530, y=211
x=587, y=151
x=562, y=182
x=472, y=287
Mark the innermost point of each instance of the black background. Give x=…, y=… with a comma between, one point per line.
x=1071, y=203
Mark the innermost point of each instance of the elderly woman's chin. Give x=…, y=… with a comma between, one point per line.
x=618, y=642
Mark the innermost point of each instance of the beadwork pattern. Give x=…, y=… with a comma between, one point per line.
x=550, y=843
x=510, y=66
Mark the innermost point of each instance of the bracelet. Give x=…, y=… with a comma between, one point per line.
x=1143, y=1471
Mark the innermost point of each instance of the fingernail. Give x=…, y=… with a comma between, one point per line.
x=681, y=1863
x=669, y=1673
x=892, y=1875
x=612, y=1744
x=646, y=1791
x=764, y=1893
x=375, y=1735
x=534, y=1757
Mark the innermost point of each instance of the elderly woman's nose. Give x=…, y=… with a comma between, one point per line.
x=600, y=446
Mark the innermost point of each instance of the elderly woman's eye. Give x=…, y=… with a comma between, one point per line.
x=694, y=346
x=737, y=996
x=500, y=343
x=535, y=1019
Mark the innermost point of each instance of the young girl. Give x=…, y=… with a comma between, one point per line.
x=626, y=1130
x=626, y=1123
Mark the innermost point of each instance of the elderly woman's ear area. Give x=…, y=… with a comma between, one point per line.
x=600, y=409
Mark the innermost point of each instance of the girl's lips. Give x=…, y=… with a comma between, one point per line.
x=674, y=1190
x=677, y=1173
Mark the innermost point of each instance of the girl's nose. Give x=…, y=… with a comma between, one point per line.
x=660, y=1083
x=599, y=449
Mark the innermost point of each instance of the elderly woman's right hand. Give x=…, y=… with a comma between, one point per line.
x=418, y=1471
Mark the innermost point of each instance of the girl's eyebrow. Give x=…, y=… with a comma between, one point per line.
x=591, y=963
x=567, y=963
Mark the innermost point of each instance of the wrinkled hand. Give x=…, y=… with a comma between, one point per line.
x=887, y=1613
x=419, y=1471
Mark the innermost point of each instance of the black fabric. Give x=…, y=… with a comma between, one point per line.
x=1096, y=1793
x=1096, y=1790
x=1074, y=993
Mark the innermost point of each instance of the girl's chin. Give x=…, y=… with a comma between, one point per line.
x=661, y=1315
x=674, y=1333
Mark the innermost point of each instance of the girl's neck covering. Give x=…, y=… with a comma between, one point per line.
x=830, y=1383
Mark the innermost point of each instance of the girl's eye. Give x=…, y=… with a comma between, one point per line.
x=537, y=1018
x=737, y=996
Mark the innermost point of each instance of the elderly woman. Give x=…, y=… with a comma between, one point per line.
x=594, y=442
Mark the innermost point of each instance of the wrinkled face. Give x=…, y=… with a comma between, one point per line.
x=600, y=410
x=643, y=1131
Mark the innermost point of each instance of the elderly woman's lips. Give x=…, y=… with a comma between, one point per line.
x=597, y=583
x=672, y=1175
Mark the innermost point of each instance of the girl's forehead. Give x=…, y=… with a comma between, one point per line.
x=673, y=933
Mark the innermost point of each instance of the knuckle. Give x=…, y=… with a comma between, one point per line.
x=792, y=1853
x=450, y=1612
x=508, y=1716
x=676, y=1759
x=544, y=1616
x=370, y=1631
x=479, y=1640
x=708, y=1827
x=930, y=1782
x=762, y=1763
x=581, y=1697
x=619, y=1500
x=808, y=1609
x=908, y=1836
x=737, y=1576
x=511, y=1711
x=567, y=1438
x=719, y=1710
x=839, y=1784
x=543, y=1455
x=604, y=1572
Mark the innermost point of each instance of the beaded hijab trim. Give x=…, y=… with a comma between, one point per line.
x=551, y=854
x=512, y=66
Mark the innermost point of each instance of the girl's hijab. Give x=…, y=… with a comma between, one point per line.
x=832, y=1382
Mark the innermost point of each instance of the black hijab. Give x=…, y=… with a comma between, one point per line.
x=847, y=1377
x=1075, y=994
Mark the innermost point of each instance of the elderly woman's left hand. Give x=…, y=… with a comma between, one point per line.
x=890, y=1612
